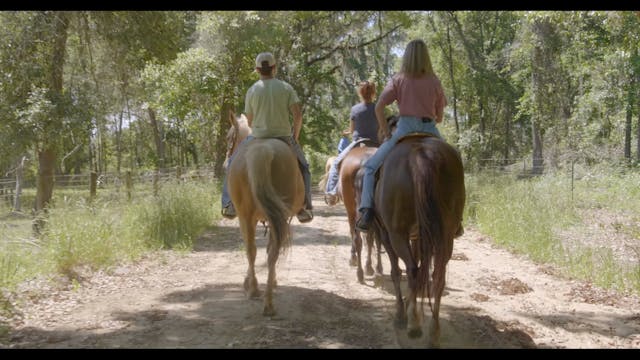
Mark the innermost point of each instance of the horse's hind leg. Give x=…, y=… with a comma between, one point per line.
x=400, y=321
x=438, y=283
x=357, y=243
x=272, y=259
x=368, y=267
x=250, y=281
x=405, y=251
x=377, y=277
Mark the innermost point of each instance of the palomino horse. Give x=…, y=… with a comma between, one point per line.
x=419, y=200
x=265, y=184
x=323, y=182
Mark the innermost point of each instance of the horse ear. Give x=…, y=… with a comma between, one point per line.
x=232, y=119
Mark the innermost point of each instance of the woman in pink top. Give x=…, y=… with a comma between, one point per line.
x=421, y=103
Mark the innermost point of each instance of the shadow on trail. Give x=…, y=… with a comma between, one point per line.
x=461, y=327
x=226, y=235
x=219, y=316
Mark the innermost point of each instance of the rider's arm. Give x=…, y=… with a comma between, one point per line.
x=249, y=119
x=382, y=121
x=297, y=120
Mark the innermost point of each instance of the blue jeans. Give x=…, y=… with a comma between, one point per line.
x=406, y=125
x=332, y=181
x=302, y=163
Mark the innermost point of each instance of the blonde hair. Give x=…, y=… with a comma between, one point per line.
x=366, y=91
x=416, y=61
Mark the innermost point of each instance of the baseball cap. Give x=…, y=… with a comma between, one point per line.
x=265, y=56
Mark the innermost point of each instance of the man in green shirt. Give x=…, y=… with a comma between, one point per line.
x=268, y=103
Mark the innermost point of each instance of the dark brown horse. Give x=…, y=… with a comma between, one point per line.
x=265, y=184
x=419, y=200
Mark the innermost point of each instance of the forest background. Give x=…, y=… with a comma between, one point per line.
x=547, y=97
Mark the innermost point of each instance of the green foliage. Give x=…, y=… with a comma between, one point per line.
x=174, y=218
x=534, y=216
x=80, y=236
x=85, y=236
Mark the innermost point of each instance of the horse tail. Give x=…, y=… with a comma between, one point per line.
x=322, y=184
x=431, y=244
x=261, y=183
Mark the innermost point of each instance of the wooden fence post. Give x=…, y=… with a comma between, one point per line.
x=93, y=185
x=129, y=184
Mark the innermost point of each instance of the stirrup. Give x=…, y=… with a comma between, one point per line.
x=330, y=199
x=229, y=212
x=364, y=221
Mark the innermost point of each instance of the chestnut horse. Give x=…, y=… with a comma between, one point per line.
x=419, y=201
x=349, y=166
x=265, y=184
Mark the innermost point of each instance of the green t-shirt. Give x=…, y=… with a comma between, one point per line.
x=269, y=101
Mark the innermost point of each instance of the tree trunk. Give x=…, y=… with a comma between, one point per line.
x=627, y=131
x=223, y=126
x=119, y=142
x=158, y=137
x=46, y=171
x=507, y=134
x=453, y=82
x=47, y=154
x=537, y=160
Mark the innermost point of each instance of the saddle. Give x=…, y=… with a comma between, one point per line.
x=367, y=142
x=415, y=135
x=406, y=137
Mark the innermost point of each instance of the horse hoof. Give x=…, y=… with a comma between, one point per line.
x=353, y=261
x=369, y=271
x=378, y=281
x=414, y=333
x=268, y=311
x=400, y=323
x=360, y=276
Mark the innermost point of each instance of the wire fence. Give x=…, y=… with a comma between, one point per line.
x=93, y=182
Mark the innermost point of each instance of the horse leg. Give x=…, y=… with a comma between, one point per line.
x=250, y=281
x=353, y=261
x=272, y=259
x=377, y=277
x=368, y=267
x=357, y=243
x=400, y=321
x=438, y=283
x=405, y=251
x=379, y=257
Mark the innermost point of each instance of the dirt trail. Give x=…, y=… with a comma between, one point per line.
x=493, y=299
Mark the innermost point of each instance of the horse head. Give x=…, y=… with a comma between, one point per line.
x=238, y=131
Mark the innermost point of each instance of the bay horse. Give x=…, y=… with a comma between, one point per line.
x=265, y=184
x=419, y=200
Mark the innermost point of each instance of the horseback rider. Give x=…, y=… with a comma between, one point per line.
x=268, y=103
x=363, y=125
x=421, y=103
